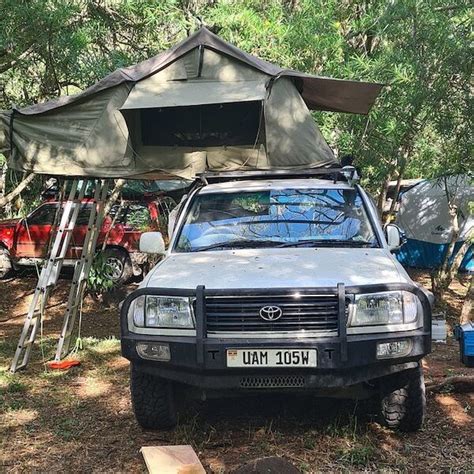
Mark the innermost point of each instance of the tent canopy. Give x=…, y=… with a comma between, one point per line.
x=424, y=217
x=203, y=104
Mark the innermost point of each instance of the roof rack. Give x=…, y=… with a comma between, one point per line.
x=335, y=174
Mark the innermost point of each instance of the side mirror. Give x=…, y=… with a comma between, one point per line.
x=394, y=236
x=152, y=242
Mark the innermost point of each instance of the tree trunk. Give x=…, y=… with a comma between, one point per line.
x=467, y=307
x=444, y=276
x=108, y=206
x=114, y=195
x=391, y=211
x=382, y=197
x=13, y=194
x=462, y=252
x=3, y=176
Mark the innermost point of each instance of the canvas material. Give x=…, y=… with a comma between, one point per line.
x=4, y=131
x=419, y=254
x=90, y=137
x=291, y=132
x=318, y=92
x=424, y=212
x=86, y=138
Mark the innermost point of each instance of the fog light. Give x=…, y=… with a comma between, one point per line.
x=153, y=351
x=386, y=350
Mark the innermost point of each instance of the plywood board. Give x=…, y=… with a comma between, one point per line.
x=172, y=460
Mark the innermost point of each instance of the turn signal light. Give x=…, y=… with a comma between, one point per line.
x=387, y=350
x=154, y=351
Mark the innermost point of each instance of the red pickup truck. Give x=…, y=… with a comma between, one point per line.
x=24, y=242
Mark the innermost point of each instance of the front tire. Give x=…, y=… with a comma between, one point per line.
x=119, y=265
x=152, y=400
x=403, y=400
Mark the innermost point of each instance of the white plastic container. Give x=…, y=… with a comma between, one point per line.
x=438, y=328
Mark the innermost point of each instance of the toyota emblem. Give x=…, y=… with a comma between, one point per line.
x=271, y=313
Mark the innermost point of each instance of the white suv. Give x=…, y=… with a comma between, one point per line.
x=277, y=282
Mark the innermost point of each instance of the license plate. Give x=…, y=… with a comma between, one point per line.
x=271, y=358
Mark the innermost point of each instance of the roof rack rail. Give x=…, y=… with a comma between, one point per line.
x=334, y=173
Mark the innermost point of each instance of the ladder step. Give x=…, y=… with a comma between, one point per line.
x=74, y=306
x=27, y=343
x=19, y=367
x=60, y=236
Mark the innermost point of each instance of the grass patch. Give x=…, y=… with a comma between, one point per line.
x=344, y=426
x=67, y=429
x=358, y=456
x=11, y=384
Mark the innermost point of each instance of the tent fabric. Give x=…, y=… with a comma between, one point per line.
x=221, y=80
x=419, y=254
x=74, y=140
x=176, y=94
x=321, y=93
x=291, y=131
x=101, y=132
x=4, y=131
x=424, y=217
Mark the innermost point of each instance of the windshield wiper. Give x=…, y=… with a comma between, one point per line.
x=328, y=243
x=235, y=244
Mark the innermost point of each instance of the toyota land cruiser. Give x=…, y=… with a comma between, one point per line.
x=277, y=282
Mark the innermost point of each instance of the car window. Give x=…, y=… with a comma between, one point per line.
x=279, y=217
x=44, y=215
x=135, y=215
x=84, y=214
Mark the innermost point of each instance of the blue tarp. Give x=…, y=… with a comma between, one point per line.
x=420, y=254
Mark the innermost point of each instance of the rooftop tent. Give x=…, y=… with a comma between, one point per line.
x=424, y=216
x=203, y=104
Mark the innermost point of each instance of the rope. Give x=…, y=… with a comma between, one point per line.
x=79, y=346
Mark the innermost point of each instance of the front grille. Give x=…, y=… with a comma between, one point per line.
x=274, y=381
x=300, y=312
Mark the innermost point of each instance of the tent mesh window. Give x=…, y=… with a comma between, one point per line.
x=235, y=123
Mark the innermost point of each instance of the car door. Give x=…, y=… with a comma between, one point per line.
x=32, y=237
x=80, y=231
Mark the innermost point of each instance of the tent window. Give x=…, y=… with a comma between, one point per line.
x=235, y=123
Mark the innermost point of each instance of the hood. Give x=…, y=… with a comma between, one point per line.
x=276, y=268
x=9, y=222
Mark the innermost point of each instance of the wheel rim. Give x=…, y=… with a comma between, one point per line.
x=114, y=268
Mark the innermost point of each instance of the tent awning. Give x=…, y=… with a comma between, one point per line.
x=147, y=94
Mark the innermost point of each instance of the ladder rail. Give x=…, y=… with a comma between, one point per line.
x=82, y=268
x=48, y=276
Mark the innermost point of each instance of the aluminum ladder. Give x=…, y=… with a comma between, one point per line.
x=49, y=274
x=82, y=268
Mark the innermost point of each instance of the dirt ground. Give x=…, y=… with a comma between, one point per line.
x=81, y=419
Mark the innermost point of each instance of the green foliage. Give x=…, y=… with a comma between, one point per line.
x=358, y=455
x=98, y=281
x=421, y=50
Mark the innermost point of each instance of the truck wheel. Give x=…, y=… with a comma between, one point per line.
x=152, y=401
x=119, y=265
x=5, y=263
x=403, y=401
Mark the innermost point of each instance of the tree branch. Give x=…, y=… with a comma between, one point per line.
x=13, y=194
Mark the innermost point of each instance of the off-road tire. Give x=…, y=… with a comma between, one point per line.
x=123, y=258
x=152, y=400
x=403, y=400
x=6, y=265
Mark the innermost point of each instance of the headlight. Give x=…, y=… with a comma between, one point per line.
x=388, y=307
x=162, y=312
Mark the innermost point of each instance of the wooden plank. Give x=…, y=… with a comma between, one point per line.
x=172, y=460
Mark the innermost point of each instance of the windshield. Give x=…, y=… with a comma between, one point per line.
x=276, y=218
